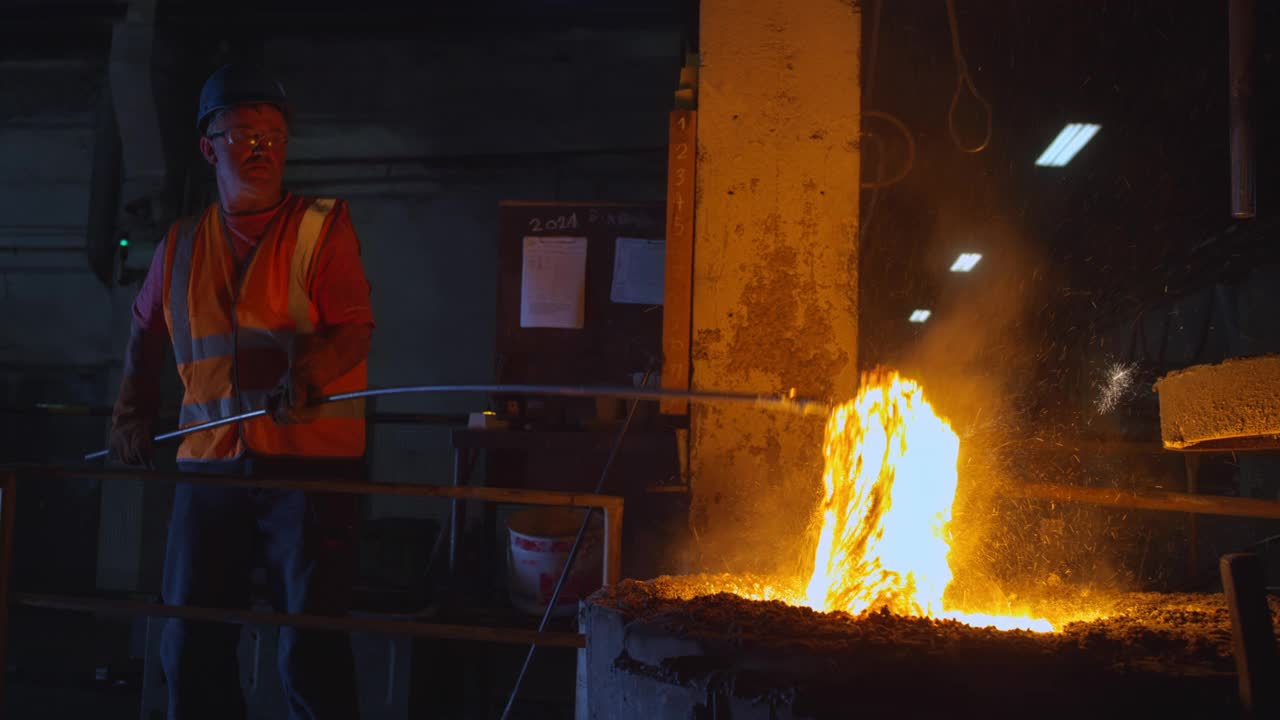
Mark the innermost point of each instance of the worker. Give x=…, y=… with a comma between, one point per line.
x=265, y=303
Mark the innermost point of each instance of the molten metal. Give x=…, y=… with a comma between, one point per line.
x=890, y=481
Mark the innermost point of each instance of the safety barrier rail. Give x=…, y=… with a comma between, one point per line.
x=611, y=507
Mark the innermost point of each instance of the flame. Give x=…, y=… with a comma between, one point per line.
x=890, y=480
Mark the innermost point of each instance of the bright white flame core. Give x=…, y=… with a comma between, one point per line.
x=889, y=483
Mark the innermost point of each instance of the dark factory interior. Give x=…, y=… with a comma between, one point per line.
x=639, y=359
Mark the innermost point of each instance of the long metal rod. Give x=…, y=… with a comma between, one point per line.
x=779, y=403
x=573, y=552
x=784, y=403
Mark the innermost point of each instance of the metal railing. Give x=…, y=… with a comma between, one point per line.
x=610, y=506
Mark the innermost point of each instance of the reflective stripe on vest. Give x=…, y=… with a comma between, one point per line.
x=212, y=346
x=300, y=270
x=203, y=412
x=233, y=334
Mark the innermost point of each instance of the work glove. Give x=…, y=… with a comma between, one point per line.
x=131, y=420
x=288, y=403
x=314, y=361
x=131, y=445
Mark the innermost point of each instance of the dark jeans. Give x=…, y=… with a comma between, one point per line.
x=307, y=543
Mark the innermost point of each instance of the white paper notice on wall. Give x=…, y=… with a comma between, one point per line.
x=553, y=281
x=639, y=266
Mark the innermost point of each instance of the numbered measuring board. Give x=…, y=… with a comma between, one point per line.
x=678, y=322
x=618, y=335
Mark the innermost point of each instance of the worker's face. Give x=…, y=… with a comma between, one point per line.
x=236, y=145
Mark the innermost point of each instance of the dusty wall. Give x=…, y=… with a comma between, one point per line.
x=775, y=264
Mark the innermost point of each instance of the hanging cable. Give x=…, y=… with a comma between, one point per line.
x=868, y=87
x=963, y=79
x=874, y=199
x=573, y=549
x=910, y=162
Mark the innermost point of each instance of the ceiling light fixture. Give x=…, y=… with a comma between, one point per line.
x=965, y=262
x=1067, y=144
x=919, y=316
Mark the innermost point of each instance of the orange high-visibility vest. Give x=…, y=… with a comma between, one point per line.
x=233, y=332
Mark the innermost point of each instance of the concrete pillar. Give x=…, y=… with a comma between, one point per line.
x=775, y=292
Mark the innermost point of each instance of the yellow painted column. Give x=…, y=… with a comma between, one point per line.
x=775, y=276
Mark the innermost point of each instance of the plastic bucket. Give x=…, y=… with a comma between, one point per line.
x=539, y=546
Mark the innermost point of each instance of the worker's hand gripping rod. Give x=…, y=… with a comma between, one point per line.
x=800, y=406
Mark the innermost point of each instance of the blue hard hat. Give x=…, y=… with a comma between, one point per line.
x=240, y=85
